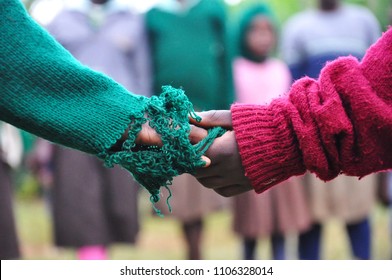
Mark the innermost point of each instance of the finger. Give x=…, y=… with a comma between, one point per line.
x=202, y=173
x=197, y=134
x=148, y=136
x=154, y=139
x=206, y=160
x=214, y=118
x=232, y=190
x=209, y=182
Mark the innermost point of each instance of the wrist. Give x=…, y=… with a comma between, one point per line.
x=269, y=151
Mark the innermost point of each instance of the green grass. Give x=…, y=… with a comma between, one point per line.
x=160, y=238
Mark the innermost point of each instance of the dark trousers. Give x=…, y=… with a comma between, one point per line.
x=277, y=244
x=9, y=247
x=359, y=235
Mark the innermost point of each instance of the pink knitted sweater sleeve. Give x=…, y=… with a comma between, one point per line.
x=341, y=123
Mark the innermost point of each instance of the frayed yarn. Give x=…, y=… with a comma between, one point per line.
x=155, y=167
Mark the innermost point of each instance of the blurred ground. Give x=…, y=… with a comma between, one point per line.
x=160, y=238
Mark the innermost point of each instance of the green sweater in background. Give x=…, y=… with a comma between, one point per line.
x=47, y=92
x=197, y=38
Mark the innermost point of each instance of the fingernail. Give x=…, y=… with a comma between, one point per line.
x=206, y=161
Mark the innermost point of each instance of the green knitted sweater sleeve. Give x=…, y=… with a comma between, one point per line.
x=47, y=92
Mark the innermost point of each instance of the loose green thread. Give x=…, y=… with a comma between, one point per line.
x=155, y=167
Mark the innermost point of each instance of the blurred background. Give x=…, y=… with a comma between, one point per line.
x=283, y=9
x=213, y=232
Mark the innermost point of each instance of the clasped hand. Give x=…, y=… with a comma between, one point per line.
x=223, y=171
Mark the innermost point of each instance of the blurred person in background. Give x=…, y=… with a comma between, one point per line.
x=11, y=151
x=189, y=51
x=389, y=187
x=310, y=39
x=31, y=82
x=384, y=195
x=259, y=78
x=389, y=178
x=385, y=183
x=93, y=206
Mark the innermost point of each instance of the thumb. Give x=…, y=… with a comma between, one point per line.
x=206, y=160
x=214, y=118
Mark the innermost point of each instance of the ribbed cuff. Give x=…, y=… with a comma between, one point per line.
x=269, y=150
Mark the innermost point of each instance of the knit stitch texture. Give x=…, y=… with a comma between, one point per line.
x=341, y=123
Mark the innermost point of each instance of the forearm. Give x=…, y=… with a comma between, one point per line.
x=45, y=91
x=341, y=123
